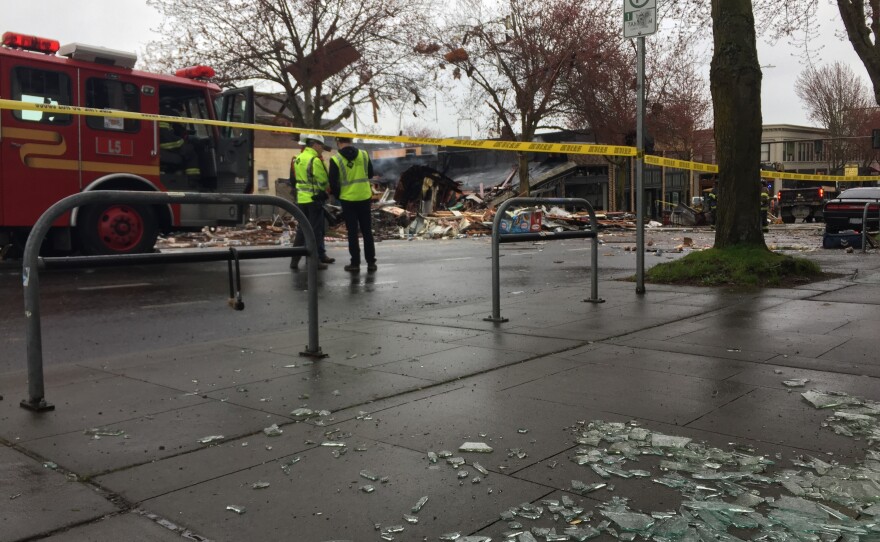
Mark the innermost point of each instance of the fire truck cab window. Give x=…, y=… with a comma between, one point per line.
x=112, y=94
x=41, y=87
x=197, y=108
x=186, y=104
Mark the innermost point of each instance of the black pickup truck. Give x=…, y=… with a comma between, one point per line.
x=805, y=203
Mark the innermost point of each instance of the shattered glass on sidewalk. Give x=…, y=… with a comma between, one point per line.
x=727, y=495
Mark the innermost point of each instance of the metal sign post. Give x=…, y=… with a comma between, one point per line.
x=639, y=20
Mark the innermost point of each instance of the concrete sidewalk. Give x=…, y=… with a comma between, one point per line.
x=706, y=364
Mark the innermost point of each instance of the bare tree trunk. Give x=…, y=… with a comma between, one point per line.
x=736, y=96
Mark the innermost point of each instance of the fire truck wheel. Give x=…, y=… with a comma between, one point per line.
x=117, y=229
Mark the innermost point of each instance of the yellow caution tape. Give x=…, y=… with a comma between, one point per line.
x=809, y=177
x=521, y=146
x=680, y=164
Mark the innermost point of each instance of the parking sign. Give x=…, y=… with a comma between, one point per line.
x=639, y=18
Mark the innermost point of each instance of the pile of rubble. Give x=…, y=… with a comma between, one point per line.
x=425, y=204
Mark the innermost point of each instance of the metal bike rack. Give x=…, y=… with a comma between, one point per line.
x=865, y=225
x=498, y=238
x=32, y=262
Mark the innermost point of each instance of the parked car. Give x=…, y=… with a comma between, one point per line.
x=846, y=210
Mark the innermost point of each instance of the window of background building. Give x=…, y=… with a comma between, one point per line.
x=263, y=179
x=40, y=87
x=765, y=152
x=804, y=152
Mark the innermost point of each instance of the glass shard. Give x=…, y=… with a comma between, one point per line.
x=369, y=475
x=273, y=430
x=99, y=432
x=660, y=440
x=236, y=508
x=367, y=488
x=455, y=461
x=475, y=447
x=820, y=399
x=211, y=439
x=629, y=521
x=581, y=534
x=419, y=505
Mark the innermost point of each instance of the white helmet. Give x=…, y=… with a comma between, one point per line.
x=304, y=138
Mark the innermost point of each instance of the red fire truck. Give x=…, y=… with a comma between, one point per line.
x=45, y=157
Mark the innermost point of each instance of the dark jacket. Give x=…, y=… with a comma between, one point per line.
x=349, y=153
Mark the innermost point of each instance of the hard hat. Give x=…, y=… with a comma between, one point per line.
x=313, y=137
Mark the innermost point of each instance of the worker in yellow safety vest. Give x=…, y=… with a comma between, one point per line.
x=310, y=180
x=350, y=174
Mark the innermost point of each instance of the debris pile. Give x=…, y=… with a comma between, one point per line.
x=256, y=233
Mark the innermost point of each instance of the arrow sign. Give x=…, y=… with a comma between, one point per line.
x=639, y=18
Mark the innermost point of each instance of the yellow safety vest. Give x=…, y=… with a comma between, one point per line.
x=354, y=185
x=311, y=179
x=765, y=201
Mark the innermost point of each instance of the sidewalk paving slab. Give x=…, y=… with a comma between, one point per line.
x=651, y=395
x=723, y=352
x=193, y=467
x=220, y=368
x=780, y=342
x=835, y=366
x=690, y=365
x=772, y=376
x=456, y=362
x=858, y=350
x=85, y=404
x=130, y=527
x=857, y=293
x=324, y=501
x=325, y=386
x=445, y=421
x=37, y=500
x=149, y=438
x=782, y=418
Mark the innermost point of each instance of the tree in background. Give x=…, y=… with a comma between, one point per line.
x=837, y=99
x=258, y=41
x=515, y=56
x=603, y=98
x=421, y=130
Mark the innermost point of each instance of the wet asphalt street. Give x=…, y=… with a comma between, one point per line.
x=108, y=312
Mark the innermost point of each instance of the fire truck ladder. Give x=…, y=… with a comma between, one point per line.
x=32, y=262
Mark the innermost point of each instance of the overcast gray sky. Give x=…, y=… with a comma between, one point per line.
x=127, y=25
